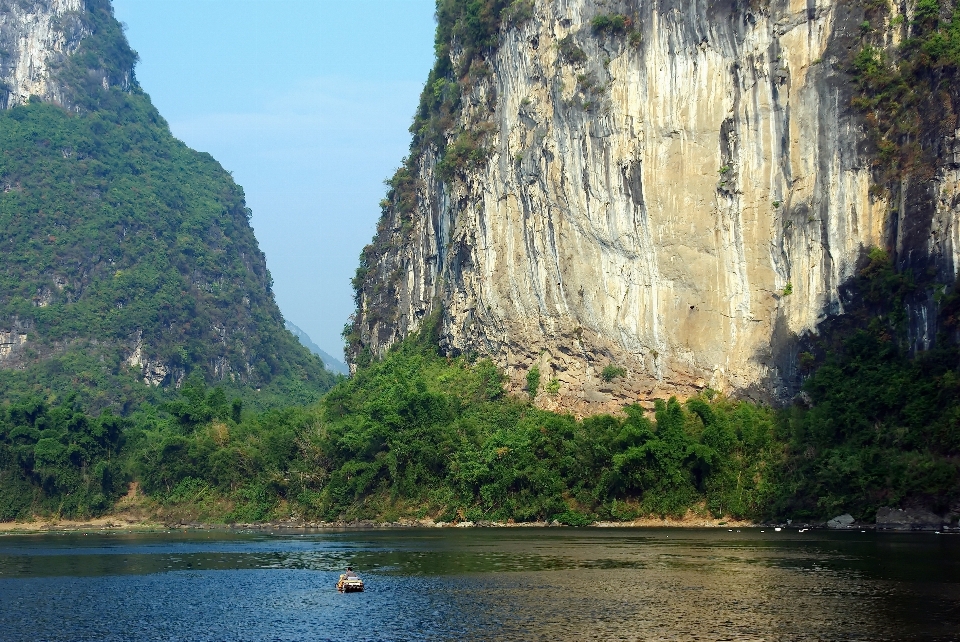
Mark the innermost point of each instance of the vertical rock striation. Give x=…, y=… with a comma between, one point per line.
x=681, y=197
x=35, y=38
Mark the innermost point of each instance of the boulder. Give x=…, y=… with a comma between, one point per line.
x=841, y=521
x=898, y=519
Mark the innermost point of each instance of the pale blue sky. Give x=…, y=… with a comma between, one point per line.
x=308, y=104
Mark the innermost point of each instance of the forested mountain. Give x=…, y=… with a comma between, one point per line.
x=128, y=261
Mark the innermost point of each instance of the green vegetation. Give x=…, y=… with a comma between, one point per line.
x=617, y=24
x=611, y=372
x=58, y=460
x=533, y=381
x=612, y=23
x=553, y=387
x=908, y=93
x=570, y=52
x=884, y=428
x=466, y=153
x=419, y=434
x=518, y=12
x=413, y=434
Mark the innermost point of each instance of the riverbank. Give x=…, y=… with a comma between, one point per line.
x=129, y=523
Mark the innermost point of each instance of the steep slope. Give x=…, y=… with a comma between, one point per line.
x=127, y=259
x=670, y=192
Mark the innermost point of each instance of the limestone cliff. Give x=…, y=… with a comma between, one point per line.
x=35, y=38
x=676, y=188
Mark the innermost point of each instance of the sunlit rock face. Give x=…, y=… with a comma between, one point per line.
x=682, y=204
x=36, y=36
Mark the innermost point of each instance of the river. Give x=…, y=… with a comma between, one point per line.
x=482, y=584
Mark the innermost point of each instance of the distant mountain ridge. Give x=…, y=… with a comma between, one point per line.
x=332, y=363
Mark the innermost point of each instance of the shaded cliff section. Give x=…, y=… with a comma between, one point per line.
x=675, y=191
x=128, y=262
x=904, y=71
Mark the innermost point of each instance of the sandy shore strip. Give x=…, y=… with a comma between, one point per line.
x=124, y=523
x=108, y=523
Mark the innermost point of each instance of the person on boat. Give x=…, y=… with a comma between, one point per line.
x=350, y=574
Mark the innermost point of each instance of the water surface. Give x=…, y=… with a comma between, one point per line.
x=480, y=584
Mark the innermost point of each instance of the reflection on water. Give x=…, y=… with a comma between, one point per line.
x=524, y=584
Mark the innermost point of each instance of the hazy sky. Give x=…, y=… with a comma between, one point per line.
x=308, y=103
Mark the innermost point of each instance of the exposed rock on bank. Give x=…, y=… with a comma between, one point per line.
x=898, y=519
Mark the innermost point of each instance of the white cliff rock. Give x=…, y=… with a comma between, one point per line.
x=34, y=37
x=683, y=206
x=10, y=344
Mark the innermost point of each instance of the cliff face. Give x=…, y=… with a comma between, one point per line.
x=35, y=38
x=681, y=195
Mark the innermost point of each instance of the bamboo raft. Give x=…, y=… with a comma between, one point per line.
x=349, y=584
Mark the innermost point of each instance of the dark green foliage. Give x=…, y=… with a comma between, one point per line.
x=573, y=518
x=571, y=52
x=58, y=460
x=62, y=461
x=611, y=23
x=908, y=94
x=616, y=24
x=518, y=12
x=611, y=372
x=884, y=428
x=114, y=230
x=415, y=429
x=533, y=381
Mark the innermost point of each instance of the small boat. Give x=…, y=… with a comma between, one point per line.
x=349, y=584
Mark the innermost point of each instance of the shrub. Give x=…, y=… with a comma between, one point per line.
x=518, y=13
x=573, y=518
x=611, y=372
x=533, y=381
x=465, y=153
x=553, y=387
x=571, y=52
x=611, y=23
